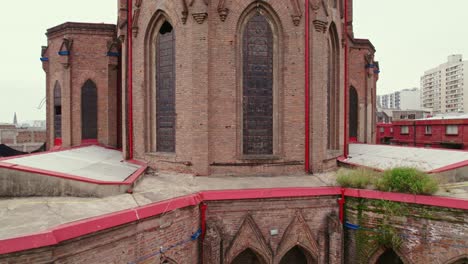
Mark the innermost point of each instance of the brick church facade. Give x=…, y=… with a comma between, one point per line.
x=214, y=87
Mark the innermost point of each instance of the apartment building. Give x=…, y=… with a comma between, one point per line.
x=401, y=100
x=443, y=89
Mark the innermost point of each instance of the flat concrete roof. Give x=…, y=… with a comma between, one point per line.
x=386, y=157
x=22, y=216
x=91, y=162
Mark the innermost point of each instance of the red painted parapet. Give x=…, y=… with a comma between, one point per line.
x=88, y=226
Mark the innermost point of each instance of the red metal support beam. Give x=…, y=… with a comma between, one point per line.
x=130, y=79
x=345, y=132
x=307, y=90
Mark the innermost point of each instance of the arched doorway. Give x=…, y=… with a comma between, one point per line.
x=461, y=261
x=297, y=255
x=353, y=114
x=89, y=111
x=248, y=257
x=389, y=257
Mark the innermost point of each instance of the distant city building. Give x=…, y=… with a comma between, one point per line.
x=409, y=114
x=444, y=88
x=402, y=100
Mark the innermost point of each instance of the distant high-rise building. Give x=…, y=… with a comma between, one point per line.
x=444, y=89
x=406, y=99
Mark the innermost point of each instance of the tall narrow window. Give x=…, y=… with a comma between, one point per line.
x=353, y=112
x=165, y=89
x=89, y=110
x=57, y=111
x=333, y=94
x=257, y=86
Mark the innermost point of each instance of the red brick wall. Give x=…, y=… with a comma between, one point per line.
x=207, y=89
x=87, y=60
x=429, y=234
x=235, y=226
x=124, y=244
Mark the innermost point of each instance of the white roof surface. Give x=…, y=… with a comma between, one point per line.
x=93, y=162
x=386, y=157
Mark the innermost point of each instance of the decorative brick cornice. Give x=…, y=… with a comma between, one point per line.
x=320, y=26
x=223, y=11
x=297, y=14
x=81, y=28
x=200, y=17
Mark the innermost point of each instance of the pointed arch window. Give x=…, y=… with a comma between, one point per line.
x=89, y=110
x=333, y=93
x=165, y=89
x=57, y=111
x=258, y=85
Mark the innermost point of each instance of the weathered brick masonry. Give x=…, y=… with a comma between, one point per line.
x=213, y=116
x=273, y=231
x=78, y=53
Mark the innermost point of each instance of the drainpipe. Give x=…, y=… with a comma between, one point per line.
x=307, y=90
x=341, y=203
x=346, y=147
x=130, y=78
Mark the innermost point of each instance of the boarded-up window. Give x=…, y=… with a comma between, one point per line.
x=257, y=99
x=89, y=110
x=57, y=111
x=165, y=89
x=404, y=130
x=451, y=130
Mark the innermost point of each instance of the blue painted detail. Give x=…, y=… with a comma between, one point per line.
x=352, y=226
x=377, y=71
x=196, y=235
x=370, y=66
x=44, y=59
x=113, y=54
x=64, y=53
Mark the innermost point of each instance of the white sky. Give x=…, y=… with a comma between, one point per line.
x=410, y=36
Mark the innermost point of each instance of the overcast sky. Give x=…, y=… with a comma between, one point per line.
x=410, y=36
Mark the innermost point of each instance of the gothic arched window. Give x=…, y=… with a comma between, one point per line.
x=333, y=92
x=165, y=89
x=89, y=110
x=258, y=85
x=57, y=111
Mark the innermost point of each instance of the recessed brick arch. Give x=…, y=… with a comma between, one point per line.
x=250, y=237
x=463, y=259
x=382, y=250
x=298, y=234
x=249, y=256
